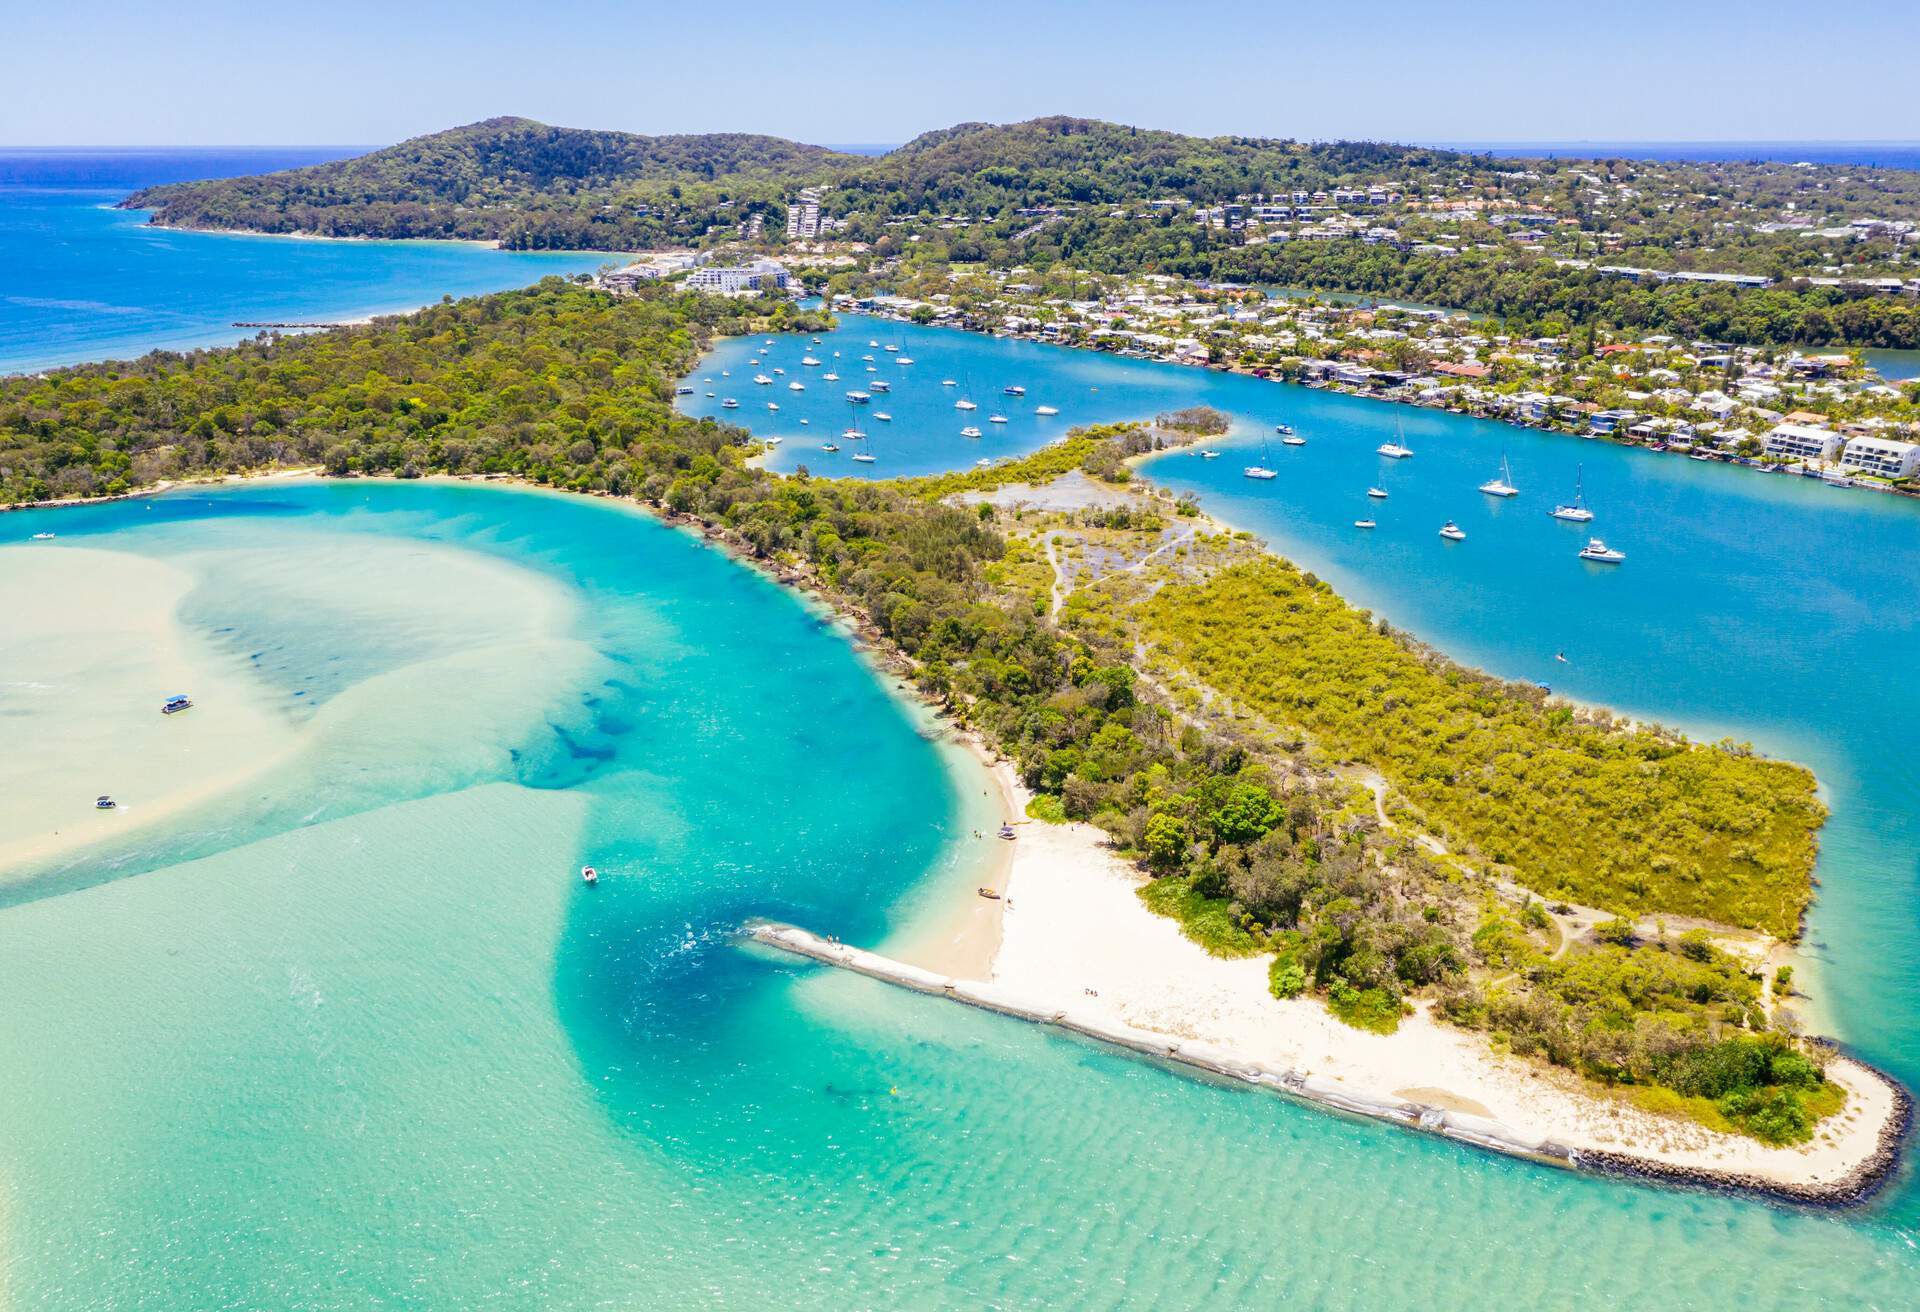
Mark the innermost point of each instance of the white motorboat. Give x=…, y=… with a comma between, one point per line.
x=969, y=431
x=1452, y=532
x=1046, y=410
x=1600, y=553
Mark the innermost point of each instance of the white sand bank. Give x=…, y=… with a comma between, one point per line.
x=89, y=648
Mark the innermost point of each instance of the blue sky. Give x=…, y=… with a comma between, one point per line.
x=354, y=72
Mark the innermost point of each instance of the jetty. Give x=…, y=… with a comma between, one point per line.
x=1302, y=1086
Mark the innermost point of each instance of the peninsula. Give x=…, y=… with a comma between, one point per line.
x=1341, y=822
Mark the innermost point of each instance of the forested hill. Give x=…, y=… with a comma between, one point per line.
x=529, y=185
x=512, y=180
x=980, y=167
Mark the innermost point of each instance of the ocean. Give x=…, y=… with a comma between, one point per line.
x=84, y=281
x=1871, y=154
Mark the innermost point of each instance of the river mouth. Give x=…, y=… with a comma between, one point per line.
x=402, y=1054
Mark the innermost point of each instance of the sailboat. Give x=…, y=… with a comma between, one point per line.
x=1398, y=448
x=1575, y=512
x=1503, y=485
x=1261, y=470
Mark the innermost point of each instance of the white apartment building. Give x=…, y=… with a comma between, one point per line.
x=1882, y=456
x=1801, y=442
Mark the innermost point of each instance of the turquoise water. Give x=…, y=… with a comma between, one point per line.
x=390, y=1052
x=84, y=281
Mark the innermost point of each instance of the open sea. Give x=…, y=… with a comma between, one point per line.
x=80, y=280
x=357, y=1036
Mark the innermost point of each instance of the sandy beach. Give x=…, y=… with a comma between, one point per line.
x=1073, y=939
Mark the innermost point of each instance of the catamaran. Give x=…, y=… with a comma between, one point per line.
x=1364, y=523
x=859, y=398
x=1398, y=448
x=1503, y=485
x=729, y=404
x=1575, y=512
x=880, y=385
x=1600, y=553
x=1452, y=532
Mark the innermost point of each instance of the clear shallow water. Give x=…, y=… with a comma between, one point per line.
x=80, y=280
x=399, y=1056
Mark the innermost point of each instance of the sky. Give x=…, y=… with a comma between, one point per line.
x=217, y=72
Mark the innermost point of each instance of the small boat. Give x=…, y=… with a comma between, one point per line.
x=777, y=369
x=796, y=386
x=712, y=394
x=1209, y=455
x=982, y=463
x=859, y=398
x=830, y=446
x=873, y=343
x=1047, y=410
x=831, y=378
x=43, y=537
x=762, y=379
x=1575, y=511
x=104, y=803
x=890, y=347
x=905, y=359
x=773, y=405
x=1258, y=471
x=996, y=419
x=989, y=893
x=808, y=360
x=883, y=416
x=175, y=704
x=1398, y=448
x=964, y=404
x=729, y=404
x=852, y=434
x=806, y=421
x=948, y=382
x=1285, y=430
x=1377, y=493
x=1452, y=532
x=726, y=373
x=864, y=458
x=816, y=341
x=1014, y=389
x=867, y=358
x=1364, y=523
x=1600, y=553
x=1291, y=440
x=589, y=874
x=775, y=441
x=683, y=391
x=880, y=385
x=1561, y=657
x=969, y=431
x=1503, y=485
